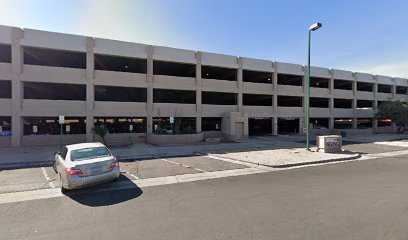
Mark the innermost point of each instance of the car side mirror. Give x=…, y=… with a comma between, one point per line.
x=57, y=153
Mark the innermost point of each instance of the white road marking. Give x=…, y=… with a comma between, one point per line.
x=186, y=166
x=128, y=173
x=386, y=154
x=49, y=180
x=143, y=183
x=252, y=165
x=394, y=143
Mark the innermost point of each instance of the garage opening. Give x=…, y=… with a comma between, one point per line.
x=257, y=100
x=364, y=123
x=5, y=126
x=211, y=123
x=343, y=103
x=5, y=89
x=179, y=125
x=384, y=123
x=317, y=82
x=120, y=64
x=54, y=58
x=5, y=53
x=120, y=94
x=402, y=90
x=122, y=124
x=384, y=88
x=54, y=91
x=290, y=101
x=288, y=79
x=219, y=98
x=210, y=72
x=319, y=123
x=174, y=96
x=343, y=84
x=51, y=126
x=288, y=125
x=319, y=102
x=256, y=77
x=174, y=69
x=364, y=104
x=343, y=123
x=259, y=126
x=364, y=87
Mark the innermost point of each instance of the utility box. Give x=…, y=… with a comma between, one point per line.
x=329, y=143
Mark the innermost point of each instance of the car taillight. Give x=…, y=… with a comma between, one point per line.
x=70, y=171
x=113, y=165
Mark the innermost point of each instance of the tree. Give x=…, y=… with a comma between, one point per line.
x=397, y=111
x=101, y=131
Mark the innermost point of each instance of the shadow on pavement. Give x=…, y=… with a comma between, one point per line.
x=106, y=194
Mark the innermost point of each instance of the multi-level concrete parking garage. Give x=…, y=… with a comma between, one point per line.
x=144, y=92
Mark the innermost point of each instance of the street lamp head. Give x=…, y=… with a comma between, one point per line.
x=315, y=26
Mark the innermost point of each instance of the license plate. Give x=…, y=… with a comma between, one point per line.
x=96, y=170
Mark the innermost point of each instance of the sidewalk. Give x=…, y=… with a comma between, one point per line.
x=291, y=147
x=19, y=157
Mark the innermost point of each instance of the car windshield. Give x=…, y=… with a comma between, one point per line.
x=89, y=153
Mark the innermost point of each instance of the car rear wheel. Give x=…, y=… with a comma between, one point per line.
x=63, y=190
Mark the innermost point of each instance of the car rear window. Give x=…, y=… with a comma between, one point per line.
x=89, y=153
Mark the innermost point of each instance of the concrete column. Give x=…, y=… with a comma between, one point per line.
x=302, y=124
x=199, y=111
x=240, y=85
x=393, y=89
x=90, y=58
x=275, y=94
x=331, y=123
x=375, y=87
x=275, y=126
x=354, y=85
x=17, y=60
x=304, y=89
x=198, y=93
x=90, y=88
x=354, y=105
x=275, y=104
x=331, y=82
x=149, y=80
x=354, y=123
x=375, y=121
x=239, y=73
x=331, y=105
x=240, y=102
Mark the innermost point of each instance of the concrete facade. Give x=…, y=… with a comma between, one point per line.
x=234, y=117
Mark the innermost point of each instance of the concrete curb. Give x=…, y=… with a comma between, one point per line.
x=355, y=156
x=19, y=165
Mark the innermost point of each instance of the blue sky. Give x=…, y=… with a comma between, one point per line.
x=359, y=35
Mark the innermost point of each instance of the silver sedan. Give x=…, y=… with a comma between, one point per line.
x=85, y=164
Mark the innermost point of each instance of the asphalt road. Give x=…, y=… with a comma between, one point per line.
x=350, y=200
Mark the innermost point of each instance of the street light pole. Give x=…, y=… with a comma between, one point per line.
x=314, y=27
